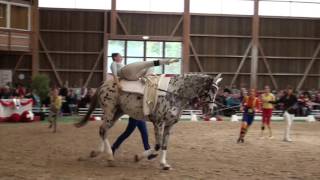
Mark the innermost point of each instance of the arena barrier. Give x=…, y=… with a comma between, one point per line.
x=191, y=114
x=186, y=114
x=277, y=115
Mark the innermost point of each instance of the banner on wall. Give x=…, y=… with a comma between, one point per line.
x=5, y=77
x=16, y=110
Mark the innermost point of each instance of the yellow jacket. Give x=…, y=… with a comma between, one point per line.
x=56, y=102
x=265, y=100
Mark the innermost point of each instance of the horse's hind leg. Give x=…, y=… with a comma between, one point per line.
x=103, y=131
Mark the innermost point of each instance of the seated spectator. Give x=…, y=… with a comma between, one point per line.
x=20, y=91
x=303, y=104
x=72, y=101
x=317, y=101
x=85, y=102
x=6, y=94
x=65, y=106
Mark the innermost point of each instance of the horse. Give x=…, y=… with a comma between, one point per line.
x=184, y=91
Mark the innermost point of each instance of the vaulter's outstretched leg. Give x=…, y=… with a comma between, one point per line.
x=134, y=71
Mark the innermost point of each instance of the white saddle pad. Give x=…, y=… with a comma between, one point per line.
x=132, y=86
x=149, y=94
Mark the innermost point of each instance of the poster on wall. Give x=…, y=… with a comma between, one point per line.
x=5, y=77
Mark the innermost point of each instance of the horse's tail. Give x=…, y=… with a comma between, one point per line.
x=93, y=104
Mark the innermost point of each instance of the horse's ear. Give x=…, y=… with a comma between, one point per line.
x=217, y=77
x=218, y=81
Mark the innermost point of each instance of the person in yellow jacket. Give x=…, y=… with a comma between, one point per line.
x=267, y=108
x=54, y=110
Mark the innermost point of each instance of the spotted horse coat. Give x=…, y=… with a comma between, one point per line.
x=183, y=91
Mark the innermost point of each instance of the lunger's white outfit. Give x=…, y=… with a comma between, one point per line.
x=288, y=119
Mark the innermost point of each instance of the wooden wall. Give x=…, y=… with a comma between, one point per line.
x=288, y=45
x=73, y=40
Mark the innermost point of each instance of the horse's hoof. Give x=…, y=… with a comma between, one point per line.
x=166, y=167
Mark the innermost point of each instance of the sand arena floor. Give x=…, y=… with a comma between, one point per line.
x=197, y=150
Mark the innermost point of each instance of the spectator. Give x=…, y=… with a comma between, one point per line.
x=267, y=109
x=55, y=107
x=85, y=102
x=6, y=94
x=72, y=101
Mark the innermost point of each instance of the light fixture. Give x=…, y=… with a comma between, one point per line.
x=145, y=37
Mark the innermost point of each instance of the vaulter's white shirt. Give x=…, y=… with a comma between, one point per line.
x=115, y=68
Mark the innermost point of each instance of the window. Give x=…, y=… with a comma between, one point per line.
x=14, y=15
x=242, y=7
x=3, y=15
x=19, y=17
x=151, y=5
x=137, y=51
x=76, y=4
x=295, y=8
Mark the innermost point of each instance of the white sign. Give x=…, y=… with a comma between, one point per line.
x=5, y=77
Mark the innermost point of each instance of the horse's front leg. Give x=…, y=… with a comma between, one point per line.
x=164, y=145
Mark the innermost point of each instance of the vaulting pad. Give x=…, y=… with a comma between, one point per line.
x=149, y=89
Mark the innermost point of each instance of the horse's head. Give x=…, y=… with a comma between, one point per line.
x=207, y=94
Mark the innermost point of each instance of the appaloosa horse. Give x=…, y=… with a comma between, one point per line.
x=183, y=91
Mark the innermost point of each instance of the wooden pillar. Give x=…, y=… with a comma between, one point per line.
x=35, y=37
x=255, y=45
x=105, y=46
x=186, y=37
x=113, y=25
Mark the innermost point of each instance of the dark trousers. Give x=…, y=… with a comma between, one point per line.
x=132, y=124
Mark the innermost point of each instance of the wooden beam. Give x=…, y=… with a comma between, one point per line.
x=17, y=65
x=69, y=31
x=241, y=64
x=173, y=32
x=21, y=2
x=260, y=74
x=186, y=37
x=93, y=68
x=274, y=82
x=249, y=37
x=51, y=62
x=306, y=72
x=105, y=47
x=69, y=52
x=240, y=56
x=113, y=25
x=122, y=25
x=35, y=37
x=139, y=38
x=196, y=57
x=144, y=50
x=64, y=70
x=255, y=45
